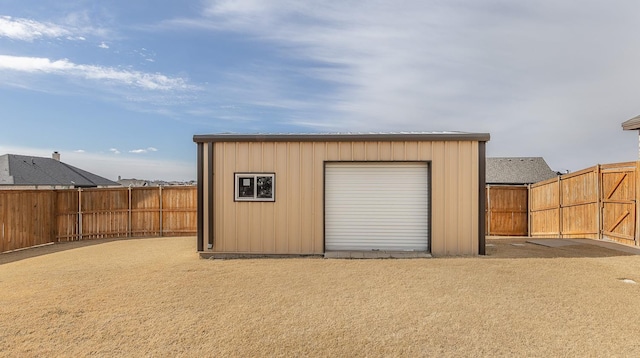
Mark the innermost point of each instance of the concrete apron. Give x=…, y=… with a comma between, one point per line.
x=376, y=254
x=568, y=242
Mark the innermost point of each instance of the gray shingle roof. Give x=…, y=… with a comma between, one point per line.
x=633, y=123
x=518, y=170
x=28, y=170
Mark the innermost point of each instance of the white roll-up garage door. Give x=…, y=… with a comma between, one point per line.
x=377, y=206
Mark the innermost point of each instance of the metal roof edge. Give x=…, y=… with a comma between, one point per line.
x=343, y=137
x=631, y=124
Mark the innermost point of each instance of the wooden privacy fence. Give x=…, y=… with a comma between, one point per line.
x=507, y=210
x=27, y=218
x=35, y=217
x=597, y=203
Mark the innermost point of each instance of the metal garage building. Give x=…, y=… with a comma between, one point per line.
x=313, y=194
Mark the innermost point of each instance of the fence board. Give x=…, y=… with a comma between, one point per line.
x=580, y=189
x=67, y=215
x=104, y=213
x=544, y=207
x=580, y=221
x=545, y=223
x=26, y=218
x=545, y=195
x=178, y=216
x=145, y=211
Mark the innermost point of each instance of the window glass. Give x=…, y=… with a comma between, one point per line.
x=265, y=187
x=245, y=187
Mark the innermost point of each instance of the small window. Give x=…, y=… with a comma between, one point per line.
x=255, y=187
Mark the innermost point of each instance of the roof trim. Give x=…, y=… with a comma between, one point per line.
x=343, y=137
x=631, y=124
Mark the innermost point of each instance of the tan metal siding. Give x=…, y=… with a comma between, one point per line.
x=293, y=224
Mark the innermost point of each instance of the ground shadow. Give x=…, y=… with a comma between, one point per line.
x=509, y=248
x=520, y=247
x=13, y=256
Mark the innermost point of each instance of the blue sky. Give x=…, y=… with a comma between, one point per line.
x=121, y=87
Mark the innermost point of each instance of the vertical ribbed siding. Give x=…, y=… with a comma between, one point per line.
x=294, y=223
x=376, y=206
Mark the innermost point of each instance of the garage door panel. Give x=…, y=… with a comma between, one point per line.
x=376, y=206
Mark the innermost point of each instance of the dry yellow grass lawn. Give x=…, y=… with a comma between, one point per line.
x=155, y=297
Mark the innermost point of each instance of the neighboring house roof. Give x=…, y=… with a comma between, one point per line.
x=518, y=170
x=633, y=123
x=28, y=170
x=133, y=182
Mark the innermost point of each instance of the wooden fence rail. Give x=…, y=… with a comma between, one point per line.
x=35, y=217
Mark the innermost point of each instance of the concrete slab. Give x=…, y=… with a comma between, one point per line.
x=602, y=243
x=226, y=255
x=376, y=254
x=554, y=242
x=611, y=245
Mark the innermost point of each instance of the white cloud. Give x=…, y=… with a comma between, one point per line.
x=538, y=75
x=79, y=151
x=103, y=45
x=29, y=30
x=143, y=80
x=114, y=150
x=75, y=27
x=142, y=151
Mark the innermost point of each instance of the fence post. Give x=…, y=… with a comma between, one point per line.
x=529, y=210
x=129, y=215
x=637, y=198
x=560, y=206
x=488, y=210
x=54, y=217
x=160, y=191
x=79, y=214
x=599, y=199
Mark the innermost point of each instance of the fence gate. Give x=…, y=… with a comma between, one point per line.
x=618, y=194
x=506, y=210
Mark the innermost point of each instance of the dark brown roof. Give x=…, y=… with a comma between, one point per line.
x=337, y=137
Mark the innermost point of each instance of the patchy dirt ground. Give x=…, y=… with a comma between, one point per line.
x=155, y=297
